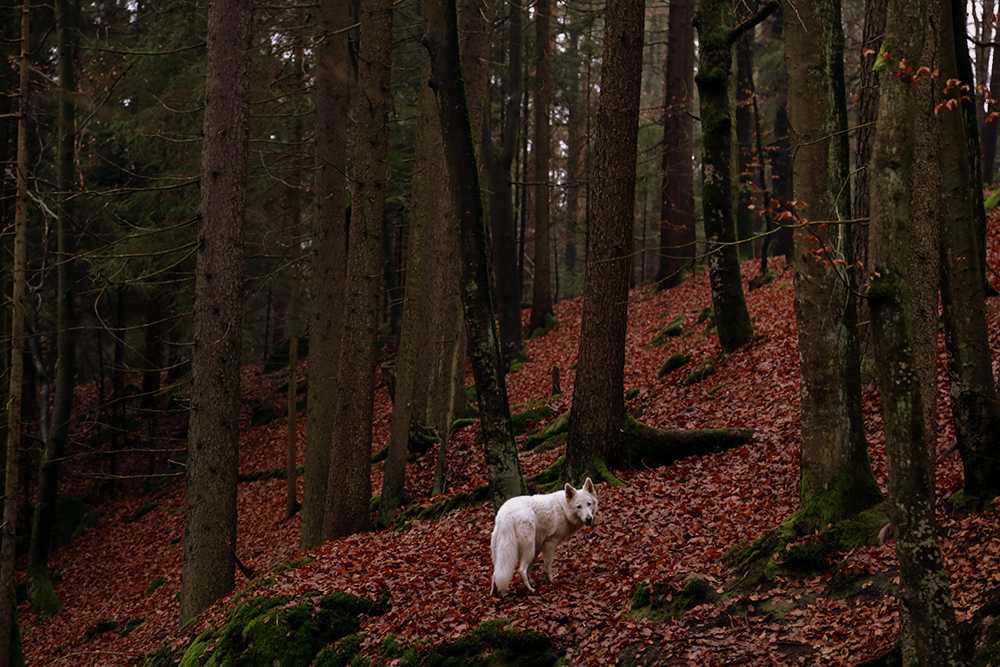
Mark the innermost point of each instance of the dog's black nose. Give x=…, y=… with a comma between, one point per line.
x=589, y=521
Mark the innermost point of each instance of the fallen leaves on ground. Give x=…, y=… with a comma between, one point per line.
x=665, y=524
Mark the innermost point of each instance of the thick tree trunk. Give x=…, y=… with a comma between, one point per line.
x=349, y=486
x=975, y=406
x=644, y=447
x=213, y=439
x=328, y=261
x=836, y=474
x=677, y=214
x=714, y=80
x=441, y=42
x=541, y=299
x=42, y=596
x=903, y=294
x=598, y=396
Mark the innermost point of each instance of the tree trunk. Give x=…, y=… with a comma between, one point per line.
x=294, y=196
x=501, y=203
x=576, y=143
x=975, y=406
x=598, y=395
x=867, y=110
x=213, y=438
x=903, y=293
x=714, y=80
x=328, y=262
x=349, y=486
x=745, y=121
x=990, y=128
x=677, y=214
x=9, y=637
x=43, y=597
x=837, y=480
x=441, y=42
x=541, y=299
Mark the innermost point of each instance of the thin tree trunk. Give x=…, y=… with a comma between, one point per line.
x=502, y=462
x=836, y=474
x=210, y=517
x=295, y=286
x=328, y=260
x=349, y=486
x=714, y=80
x=9, y=638
x=598, y=398
x=677, y=212
x=541, y=299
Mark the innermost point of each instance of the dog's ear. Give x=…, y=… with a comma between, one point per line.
x=570, y=491
x=588, y=486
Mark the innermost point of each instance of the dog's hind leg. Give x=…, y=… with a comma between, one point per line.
x=526, y=554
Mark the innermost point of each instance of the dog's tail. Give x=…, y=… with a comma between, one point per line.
x=503, y=548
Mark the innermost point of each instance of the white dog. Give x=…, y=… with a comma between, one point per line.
x=530, y=525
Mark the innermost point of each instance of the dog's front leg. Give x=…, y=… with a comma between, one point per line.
x=548, y=554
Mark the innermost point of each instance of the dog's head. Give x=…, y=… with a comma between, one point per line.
x=582, y=503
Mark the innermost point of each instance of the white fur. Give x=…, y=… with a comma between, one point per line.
x=530, y=525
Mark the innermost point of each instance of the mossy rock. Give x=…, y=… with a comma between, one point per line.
x=278, y=358
x=73, y=518
x=285, y=631
x=491, y=644
x=43, y=596
x=668, y=331
x=153, y=585
x=267, y=475
x=661, y=602
x=673, y=362
x=701, y=372
x=263, y=414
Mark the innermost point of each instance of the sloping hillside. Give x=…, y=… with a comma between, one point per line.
x=664, y=526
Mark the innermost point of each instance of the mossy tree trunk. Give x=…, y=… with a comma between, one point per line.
x=441, y=41
x=903, y=294
x=348, y=498
x=975, y=406
x=715, y=21
x=328, y=261
x=837, y=480
x=213, y=438
x=598, y=396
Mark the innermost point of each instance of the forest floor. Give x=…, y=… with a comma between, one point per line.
x=664, y=525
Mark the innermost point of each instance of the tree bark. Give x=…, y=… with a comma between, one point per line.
x=541, y=299
x=499, y=160
x=328, y=260
x=48, y=472
x=210, y=517
x=349, y=486
x=714, y=80
x=598, y=395
x=975, y=406
x=905, y=179
x=441, y=41
x=677, y=214
x=9, y=637
x=294, y=212
x=837, y=480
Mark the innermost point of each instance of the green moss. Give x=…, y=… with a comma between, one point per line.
x=712, y=390
x=883, y=61
x=661, y=602
x=883, y=287
x=43, y=596
x=266, y=475
x=631, y=393
x=73, y=518
x=97, y=629
x=131, y=625
x=462, y=423
x=153, y=585
x=556, y=427
x=521, y=419
x=673, y=362
x=702, y=371
x=550, y=324
x=668, y=331
x=490, y=644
